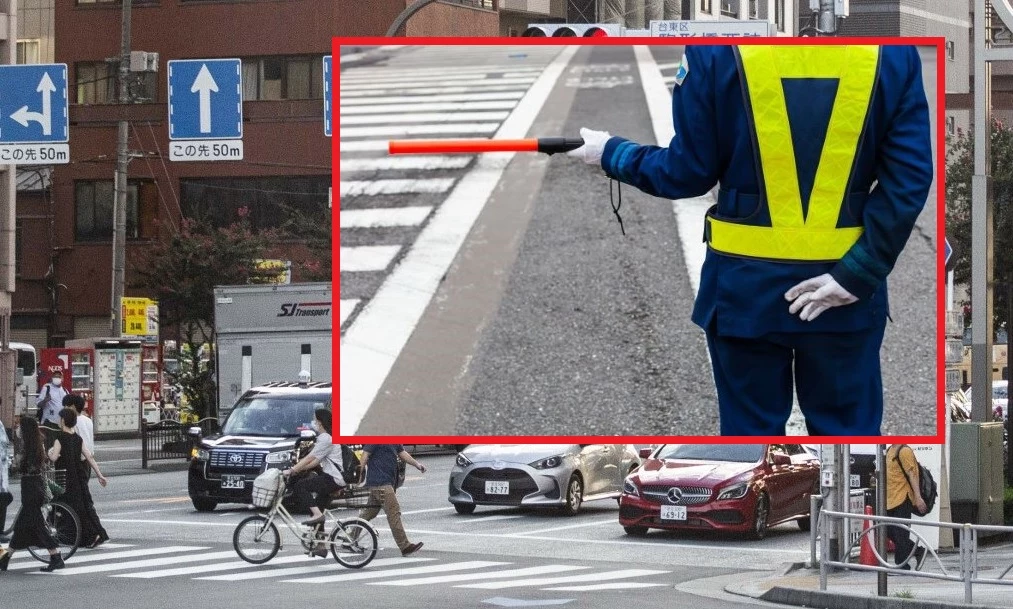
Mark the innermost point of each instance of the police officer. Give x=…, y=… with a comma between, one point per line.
x=823, y=157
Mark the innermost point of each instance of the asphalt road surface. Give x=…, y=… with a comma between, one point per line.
x=497, y=295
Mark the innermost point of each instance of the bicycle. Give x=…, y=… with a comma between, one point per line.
x=352, y=542
x=60, y=519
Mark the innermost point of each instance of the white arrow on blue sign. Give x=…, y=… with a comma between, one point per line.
x=205, y=99
x=327, y=95
x=948, y=251
x=33, y=104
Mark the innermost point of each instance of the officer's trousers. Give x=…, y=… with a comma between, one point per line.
x=836, y=375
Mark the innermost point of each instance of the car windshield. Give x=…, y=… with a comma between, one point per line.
x=272, y=416
x=742, y=453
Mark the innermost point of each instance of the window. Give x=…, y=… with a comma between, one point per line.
x=950, y=50
x=727, y=10
x=94, y=210
x=28, y=51
x=267, y=78
x=96, y=82
x=752, y=9
x=951, y=125
x=779, y=20
x=705, y=6
x=270, y=201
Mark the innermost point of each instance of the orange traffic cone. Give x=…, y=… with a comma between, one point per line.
x=866, y=556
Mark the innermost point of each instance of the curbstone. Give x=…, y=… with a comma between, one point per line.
x=817, y=599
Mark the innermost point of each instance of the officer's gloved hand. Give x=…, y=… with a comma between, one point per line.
x=593, y=148
x=813, y=296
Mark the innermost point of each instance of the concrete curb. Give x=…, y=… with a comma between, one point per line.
x=835, y=600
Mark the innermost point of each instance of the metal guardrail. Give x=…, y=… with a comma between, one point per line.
x=968, y=551
x=169, y=439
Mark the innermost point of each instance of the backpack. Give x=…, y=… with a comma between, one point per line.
x=351, y=467
x=402, y=470
x=927, y=484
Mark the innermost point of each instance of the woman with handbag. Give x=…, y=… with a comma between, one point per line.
x=66, y=453
x=30, y=527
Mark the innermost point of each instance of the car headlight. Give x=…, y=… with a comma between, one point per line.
x=463, y=461
x=548, y=462
x=201, y=454
x=736, y=491
x=279, y=457
x=629, y=488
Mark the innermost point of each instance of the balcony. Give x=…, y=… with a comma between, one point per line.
x=537, y=7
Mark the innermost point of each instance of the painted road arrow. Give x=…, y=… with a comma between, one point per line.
x=500, y=601
x=44, y=118
x=204, y=84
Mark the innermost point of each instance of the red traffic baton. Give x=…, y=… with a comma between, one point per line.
x=547, y=145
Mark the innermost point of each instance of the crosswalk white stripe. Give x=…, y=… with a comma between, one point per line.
x=225, y=566
x=487, y=519
x=369, y=188
x=668, y=66
x=366, y=258
x=423, y=117
x=426, y=107
x=363, y=146
x=329, y=565
x=362, y=73
x=403, y=130
x=89, y=558
x=421, y=84
x=347, y=306
x=396, y=79
x=151, y=562
x=408, y=99
x=444, y=579
x=454, y=566
x=612, y=586
x=544, y=581
x=384, y=216
x=457, y=88
x=424, y=162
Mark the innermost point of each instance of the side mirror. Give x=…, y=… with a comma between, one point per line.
x=645, y=453
x=781, y=459
x=194, y=432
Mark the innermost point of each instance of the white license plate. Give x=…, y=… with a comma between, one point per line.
x=497, y=488
x=233, y=482
x=856, y=481
x=673, y=512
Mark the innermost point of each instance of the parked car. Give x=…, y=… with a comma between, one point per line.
x=268, y=427
x=743, y=488
x=561, y=475
x=1000, y=401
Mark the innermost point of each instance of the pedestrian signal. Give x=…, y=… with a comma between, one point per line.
x=572, y=30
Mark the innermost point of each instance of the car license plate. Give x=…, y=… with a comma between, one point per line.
x=673, y=512
x=233, y=482
x=497, y=488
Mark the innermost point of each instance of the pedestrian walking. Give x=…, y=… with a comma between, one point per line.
x=824, y=161
x=6, y=498
x=30, y=528
x=85, y=428
x=66, y=453
x=380, y=464
x=329, y=479
x=50, y=400
x=903, y=494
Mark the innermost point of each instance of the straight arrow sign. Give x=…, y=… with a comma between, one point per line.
x=203, y=85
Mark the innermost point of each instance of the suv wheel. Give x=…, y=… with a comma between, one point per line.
x=635, y=531
x=204, y=505
x=464, y=508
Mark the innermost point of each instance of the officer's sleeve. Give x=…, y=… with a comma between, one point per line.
x=688, y=166
x=904, y=174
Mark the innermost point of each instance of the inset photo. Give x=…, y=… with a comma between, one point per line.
x=588, y=237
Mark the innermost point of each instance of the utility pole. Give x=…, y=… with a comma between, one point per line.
x=8, y=359
x=120, y=183
x=828, y=17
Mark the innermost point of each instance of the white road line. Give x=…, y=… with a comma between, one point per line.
x=669, y=66
x=225, y=566
x=392, y=80
x=117, y=555
x=612, y=586
x=347, y=306
x=152, y=562
x=668, y=80
x=358, y=188
x=402, y=163
x=366, y=258
x=454, y=566
x=423, y=117
x=403, y=130
x=482, y=519
x=369, y=349
x=328, y=565
x=431, y=90
x=427, y=107
x=408, y=99
x=545, y=581
x=185, y=523
x=444, y=579
x=598, y=523
x=384, y=216
x=363, y=73
x=362, y=146
x=418, y=84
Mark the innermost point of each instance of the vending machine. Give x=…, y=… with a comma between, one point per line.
x=151, y=382
x=117, y=383
x=77, y=366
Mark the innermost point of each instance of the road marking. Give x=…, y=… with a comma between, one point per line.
x=227, y=566
x=365, y=73
x=454, y=566
x=669, y=66
x=610, y=521
x=482, y=519
x=403, y=130
x=402, y=86
x=115, y=555
x=347, y=306
x=612, y=586
x=544, y=581
x=442, y=579
x=409, y=99
x=422, y=117
x=185, y=523
x=153, y=562
x=385, y=216
x=370, y=188
x=363, y=146
x=428, y=91
x=391, y=80
x=156, y=500
x=400, y=163
x=366, y=258
x=324, y=565
x=370, y=347
x=426, y=107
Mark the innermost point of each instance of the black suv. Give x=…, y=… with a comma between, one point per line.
x=269, y=427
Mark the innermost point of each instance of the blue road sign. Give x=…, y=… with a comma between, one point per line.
x=205, y=99
x=948, y=251
x=327, y=95
x=33, y=104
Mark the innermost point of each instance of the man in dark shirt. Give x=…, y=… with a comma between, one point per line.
x=380, y=464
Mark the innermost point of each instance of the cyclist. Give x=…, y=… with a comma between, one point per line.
x=328, y=480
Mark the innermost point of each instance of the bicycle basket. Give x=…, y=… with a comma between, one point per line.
x=267, y=488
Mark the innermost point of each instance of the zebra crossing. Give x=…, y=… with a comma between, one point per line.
x=203, y=563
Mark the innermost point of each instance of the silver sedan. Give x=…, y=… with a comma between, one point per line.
x=559, y=475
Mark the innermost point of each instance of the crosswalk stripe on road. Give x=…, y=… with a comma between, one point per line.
x=459, y=88
x=358, y=188
x=141, y=564
x=384, y=216
x=454, y=566
x=367, y=257
x=346, y=308
x=28, y=562
x=329, y=565
x=622, y=574
x=423, y=84
x=401, y=163
x=408, y=99
x=227, y=566
x=403, y=130
x=423, y=117
x=443, y=579
x=450, y=106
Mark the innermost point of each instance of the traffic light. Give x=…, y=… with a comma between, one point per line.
x=572, y=30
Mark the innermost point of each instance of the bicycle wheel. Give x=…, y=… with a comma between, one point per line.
x=65, y=528
x=256, y=540
x=353, y=543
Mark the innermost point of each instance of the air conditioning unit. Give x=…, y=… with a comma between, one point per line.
x=141, y=61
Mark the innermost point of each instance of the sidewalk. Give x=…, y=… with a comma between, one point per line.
x=799, y=586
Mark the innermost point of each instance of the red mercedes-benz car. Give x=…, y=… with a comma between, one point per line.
x=742, y=488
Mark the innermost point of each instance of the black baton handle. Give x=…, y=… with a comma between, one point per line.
x=552, y=145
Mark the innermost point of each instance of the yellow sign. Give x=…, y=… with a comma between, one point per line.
x=281, y=271
x=137, y=318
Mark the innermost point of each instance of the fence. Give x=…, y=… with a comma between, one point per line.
x=968, y=551
x=169, y=439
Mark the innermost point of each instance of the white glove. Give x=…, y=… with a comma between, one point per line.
x=813, y=296
x=593, y=148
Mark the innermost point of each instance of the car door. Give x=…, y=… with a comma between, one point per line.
x=801, y=479
x=595, y=467
x=778, y=482
x=615, y=472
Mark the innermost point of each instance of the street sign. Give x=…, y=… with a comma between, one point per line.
x=947, y=253
x=327, y=95
x=686, y=29
x=205, y=110
x=34, y=121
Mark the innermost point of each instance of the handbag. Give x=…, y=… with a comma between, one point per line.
x=50, y=488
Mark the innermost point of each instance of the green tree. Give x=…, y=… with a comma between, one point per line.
x=314, y=233
x=959, y=169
